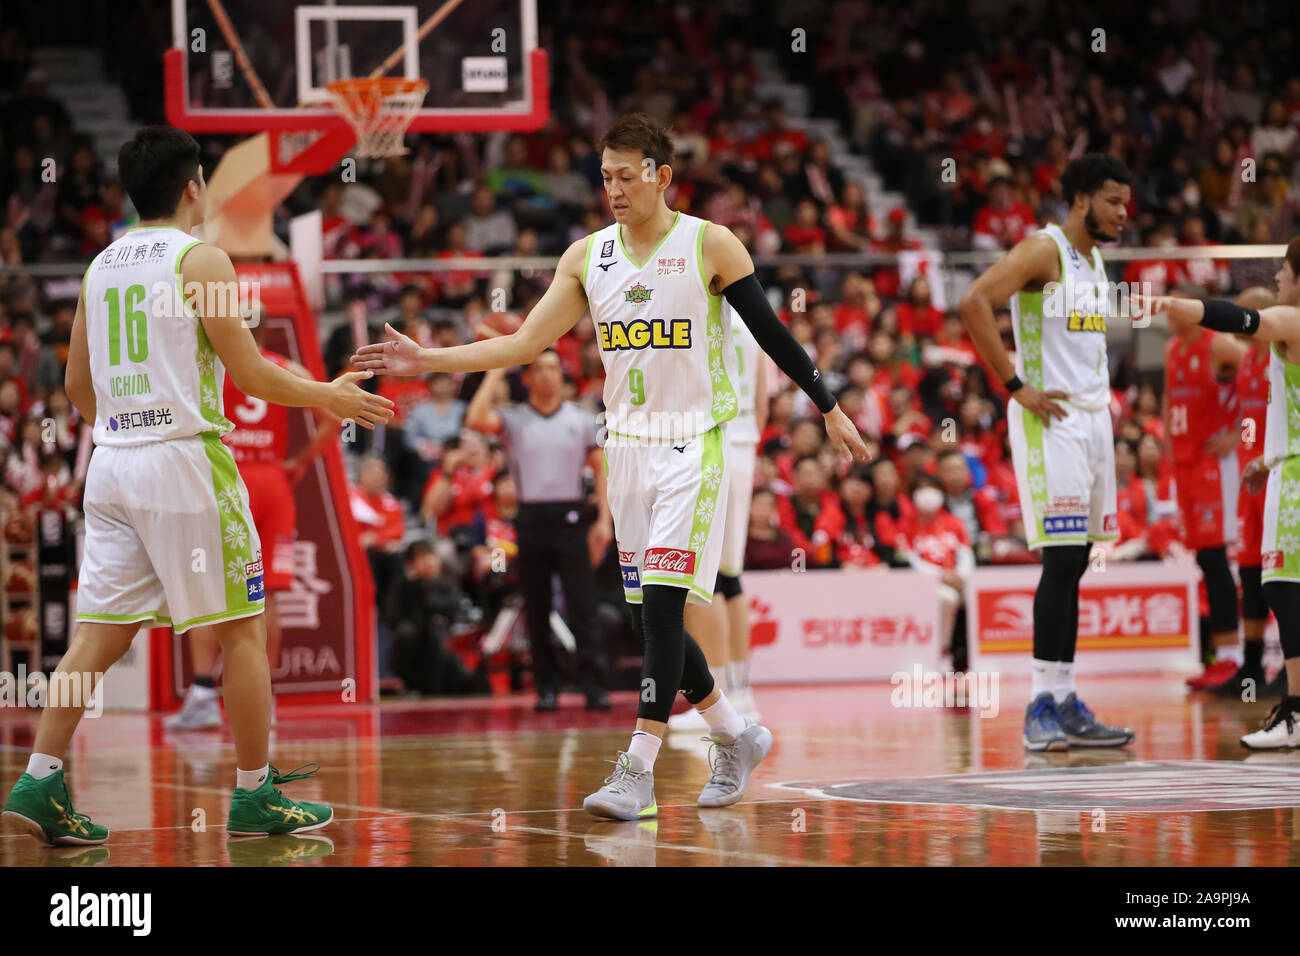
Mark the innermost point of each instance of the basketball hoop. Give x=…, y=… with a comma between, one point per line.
x=380, y=109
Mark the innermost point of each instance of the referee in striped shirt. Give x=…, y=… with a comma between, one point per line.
x=549, y=442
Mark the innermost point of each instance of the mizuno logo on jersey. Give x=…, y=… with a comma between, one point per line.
x=637, y=294
x=1085, y=322
x=605, y=266
x=645, y=333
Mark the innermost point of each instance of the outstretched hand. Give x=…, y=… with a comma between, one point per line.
x=399, y=354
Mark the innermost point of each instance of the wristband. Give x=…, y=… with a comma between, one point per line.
x=1223, y=316
x=1013, y=384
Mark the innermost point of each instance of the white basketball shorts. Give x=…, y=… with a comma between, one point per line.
x=169, y=536
x=668, y=503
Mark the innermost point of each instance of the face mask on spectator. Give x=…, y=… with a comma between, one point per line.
x=928, y=500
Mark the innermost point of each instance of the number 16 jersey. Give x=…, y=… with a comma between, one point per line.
x=155, y=374
x=661, y=336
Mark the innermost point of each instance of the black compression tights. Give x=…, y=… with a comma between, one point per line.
x=1283, y=599
x=1056, y=602
x=673, y=661
x=1220, y=589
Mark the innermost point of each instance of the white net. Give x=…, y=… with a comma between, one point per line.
x=380, y=110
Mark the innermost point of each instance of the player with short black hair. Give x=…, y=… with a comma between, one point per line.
x=169, y=535
x=655, y=283
x=1059, y=424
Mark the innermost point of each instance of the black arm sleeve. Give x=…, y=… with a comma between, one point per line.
x=747, y=298
x=1224, y=316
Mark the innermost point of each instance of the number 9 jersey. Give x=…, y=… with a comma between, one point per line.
x=661, y=335
x=155, y=374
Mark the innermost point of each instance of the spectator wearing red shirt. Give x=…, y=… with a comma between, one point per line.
x=460, y=487
x=1155, y=276
x=935, y=542
x=1003, y=221
x=886, y=278
x=918, y=316
x=849, y=220
x=952, y=347
x=1213, y=275
x=892, y=369
x=856, y=545
x=1047, y=174
x=769, y=546
x=889, y=506
x=1130, y=494
x=905, y=418
x=1155, y=471
x=805, y=234
x=381, y=520
x=778, y=139
x=811, y=514
x=856, y=311
x=1147, y=411
x=458, y=287
x=803, y=438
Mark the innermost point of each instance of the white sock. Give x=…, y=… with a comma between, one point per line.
x=739, y=671
x=1044, y=678
x=1064, y=681
x=41, y=766
x=201, y=692
x=643, y=750
x=250, y=780
x=719, y=675
x=1232, y=653
x=722, y=716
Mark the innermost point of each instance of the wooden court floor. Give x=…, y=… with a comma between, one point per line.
x=852, y=780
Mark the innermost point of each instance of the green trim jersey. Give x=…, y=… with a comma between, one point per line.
x=662, y=336
x=1282, y=420
x=743, y=354
x=1061, y=331
x=1279, y=545
x=156, y=376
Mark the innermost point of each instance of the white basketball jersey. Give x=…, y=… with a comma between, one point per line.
x=155, y=374
x=662, y=336
x=743, y=355
x=1282, y=422
x=1061, y=333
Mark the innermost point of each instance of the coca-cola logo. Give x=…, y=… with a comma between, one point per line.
x=1272, y=560
x=670, y=559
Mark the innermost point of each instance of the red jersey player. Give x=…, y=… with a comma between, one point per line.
x=1200, y=418
x=260, y=445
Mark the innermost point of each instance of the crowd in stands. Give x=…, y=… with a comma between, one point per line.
x=970, y=118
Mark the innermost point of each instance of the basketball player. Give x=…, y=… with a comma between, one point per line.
x=1252, y=402
x=1059, y=424
x=722, y=628
x=169, y=536
x=260, y=445
x=1277, y=470
x=1200, y=419
x=655, y=282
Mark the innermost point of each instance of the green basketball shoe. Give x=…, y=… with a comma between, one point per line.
x=266, y=810
x=44, y=808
